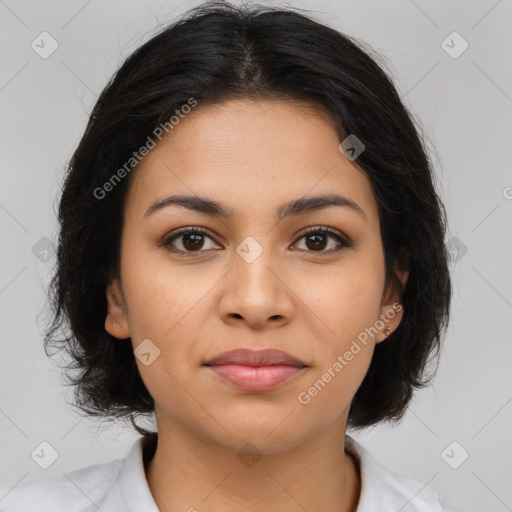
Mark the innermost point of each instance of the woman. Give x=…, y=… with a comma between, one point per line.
x=252, y=248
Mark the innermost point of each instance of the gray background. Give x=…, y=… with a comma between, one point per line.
x=464, y=105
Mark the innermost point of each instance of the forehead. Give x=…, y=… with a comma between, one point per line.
x=250, y=154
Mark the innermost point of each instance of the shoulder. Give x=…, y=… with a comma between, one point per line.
x=80, y=490
x=412, y=494
x=383, y=490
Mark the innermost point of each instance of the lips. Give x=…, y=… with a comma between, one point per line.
x=255, y=371
x=245, y=357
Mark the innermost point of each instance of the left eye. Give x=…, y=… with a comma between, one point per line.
x=316, y=239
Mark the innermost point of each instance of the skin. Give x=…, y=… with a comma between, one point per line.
x=252, y=156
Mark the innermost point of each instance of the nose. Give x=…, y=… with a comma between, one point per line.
x=257, y=294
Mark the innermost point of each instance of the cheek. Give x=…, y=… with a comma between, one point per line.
x=343, y=357
x=349, y=301
x=159, y=295
x=330, y=390
x=349, y=305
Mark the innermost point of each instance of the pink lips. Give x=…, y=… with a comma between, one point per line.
x=255, y=370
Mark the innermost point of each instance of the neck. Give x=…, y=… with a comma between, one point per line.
x=188, y=473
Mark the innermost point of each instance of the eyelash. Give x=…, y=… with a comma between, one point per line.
x=345, y=243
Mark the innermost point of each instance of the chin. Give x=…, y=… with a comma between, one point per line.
x=268, y=434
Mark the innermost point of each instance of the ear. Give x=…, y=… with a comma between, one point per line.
x=116, y=312
x=391, y=310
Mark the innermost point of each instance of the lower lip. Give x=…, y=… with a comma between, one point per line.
x=255, y=378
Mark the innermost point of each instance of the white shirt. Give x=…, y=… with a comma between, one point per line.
x=121, y=486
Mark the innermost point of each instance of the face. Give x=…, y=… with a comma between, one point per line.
x=254, y=279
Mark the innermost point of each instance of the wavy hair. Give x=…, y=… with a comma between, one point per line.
x=214, y=53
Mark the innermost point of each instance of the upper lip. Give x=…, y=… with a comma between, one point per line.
x=248, y=357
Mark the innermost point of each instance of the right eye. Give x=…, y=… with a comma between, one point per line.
x=191, y=239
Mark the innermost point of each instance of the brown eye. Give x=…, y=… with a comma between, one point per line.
x=317, y=239
x=193, y=240
x=190, y=239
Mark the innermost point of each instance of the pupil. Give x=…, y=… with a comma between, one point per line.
x=195, y=244
x=317, y=244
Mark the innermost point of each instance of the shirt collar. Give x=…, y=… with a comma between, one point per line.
x=132, y=481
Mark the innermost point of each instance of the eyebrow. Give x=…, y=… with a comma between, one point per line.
x=292, y=208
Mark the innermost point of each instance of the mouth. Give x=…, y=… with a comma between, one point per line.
x=255, y=371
